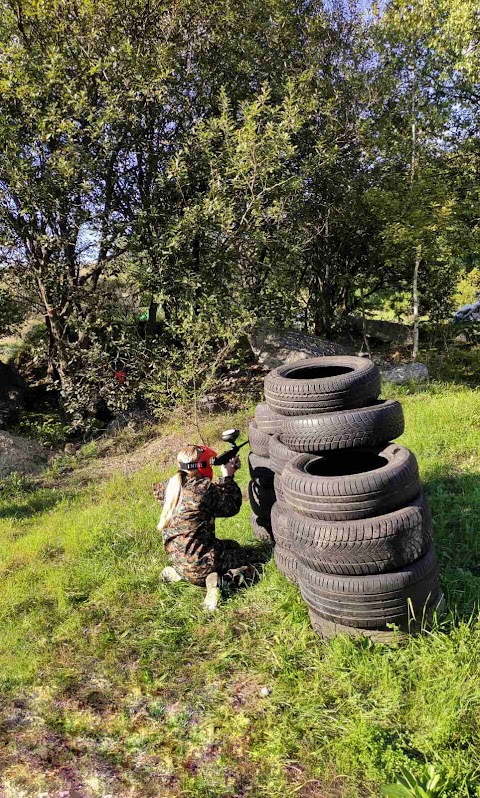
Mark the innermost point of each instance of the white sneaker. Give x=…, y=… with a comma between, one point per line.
x=211, y=599
x=169, y=574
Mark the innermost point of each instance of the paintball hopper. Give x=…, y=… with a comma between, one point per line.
x=229, y=436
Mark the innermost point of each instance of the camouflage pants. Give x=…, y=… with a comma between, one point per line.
x=236, y=565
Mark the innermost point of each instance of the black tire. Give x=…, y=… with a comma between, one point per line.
x=261, y=528
x=261, y=500
x=366, y=545
x=329, y=629
x=279, y=494
x=280, y=531
x=279, y=454
x=258, y=440
x=335, y=487
x=368, y=426
x=322, y=385
x=372, y=602
x=267, y=420
x=261, y=471
x=286, y=563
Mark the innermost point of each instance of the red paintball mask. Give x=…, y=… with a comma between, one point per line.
x=203, y=464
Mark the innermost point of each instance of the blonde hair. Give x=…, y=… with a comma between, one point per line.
x=173, y=491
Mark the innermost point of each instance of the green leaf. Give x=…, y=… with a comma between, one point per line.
x=396, y=791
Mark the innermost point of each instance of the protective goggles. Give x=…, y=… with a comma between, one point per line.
x=204, y=464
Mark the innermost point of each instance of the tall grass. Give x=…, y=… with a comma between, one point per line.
x=120, y=685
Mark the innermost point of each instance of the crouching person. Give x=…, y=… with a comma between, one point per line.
x=191, y=503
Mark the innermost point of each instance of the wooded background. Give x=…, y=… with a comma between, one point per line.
x=210, y=163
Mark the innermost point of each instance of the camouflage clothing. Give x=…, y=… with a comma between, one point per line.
x=190, y=541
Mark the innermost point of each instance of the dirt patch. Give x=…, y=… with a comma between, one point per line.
x=20, y=455
x=161, y=451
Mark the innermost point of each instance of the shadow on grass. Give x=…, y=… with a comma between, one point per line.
x=26, y=505
x=455, y=504
x=235, y=579
x=459, y=365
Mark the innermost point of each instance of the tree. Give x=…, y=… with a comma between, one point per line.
x=295, y=173
x=412, y=151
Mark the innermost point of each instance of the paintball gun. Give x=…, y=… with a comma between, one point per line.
x=229, y=436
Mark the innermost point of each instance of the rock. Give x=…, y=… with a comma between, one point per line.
x=13, y=390
x=468, y=313
x=20, y=455
x=461, y=338
x=272, y=346
x=410, y=372
x=386, y=331
x=71, y=449
x=210, y=403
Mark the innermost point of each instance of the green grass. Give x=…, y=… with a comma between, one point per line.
x=123, y=686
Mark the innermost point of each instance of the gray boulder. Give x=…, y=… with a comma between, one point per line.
x=379, y=330
x=410, y=372
x=20, y=455
x=273, y=347
x=468, y=313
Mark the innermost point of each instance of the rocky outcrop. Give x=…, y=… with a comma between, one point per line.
x=272, y=346
x=13, y=390
x=410, y=372
x=20, y=455
x=385, y=331
x=468, y=313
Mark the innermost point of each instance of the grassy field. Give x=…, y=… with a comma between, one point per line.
x=119, y=685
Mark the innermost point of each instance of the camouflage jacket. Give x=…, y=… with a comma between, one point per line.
x=189, y=539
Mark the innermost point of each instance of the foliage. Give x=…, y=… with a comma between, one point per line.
x=296, y=174
x=45, y=427
x=467, y=289
x=30, y=351
x=201, y=342
x=429, y=785
x=11, y=312
x=410, y=132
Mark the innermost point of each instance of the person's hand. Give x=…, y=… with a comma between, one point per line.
x=228, y=470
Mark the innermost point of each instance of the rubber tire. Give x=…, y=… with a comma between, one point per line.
x=364, y=546
x=280, y=531
x=372, y=602
x=268, y=421
x=286, y=563
x=360, y=495
x=329, y=629
x=346, y=429
x=279, y=454
x=279, y=494
x=260, y=528
x=261, y=471
x=290, y=396
x=261, y=500
x=258, y=440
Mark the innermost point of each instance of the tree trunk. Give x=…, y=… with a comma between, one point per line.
x=57, y=354
x=52, y=369
x=364, y=322
x=418, y=258
x=152, y=316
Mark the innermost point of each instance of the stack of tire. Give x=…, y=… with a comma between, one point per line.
x=350, y=521
x=261, y=488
